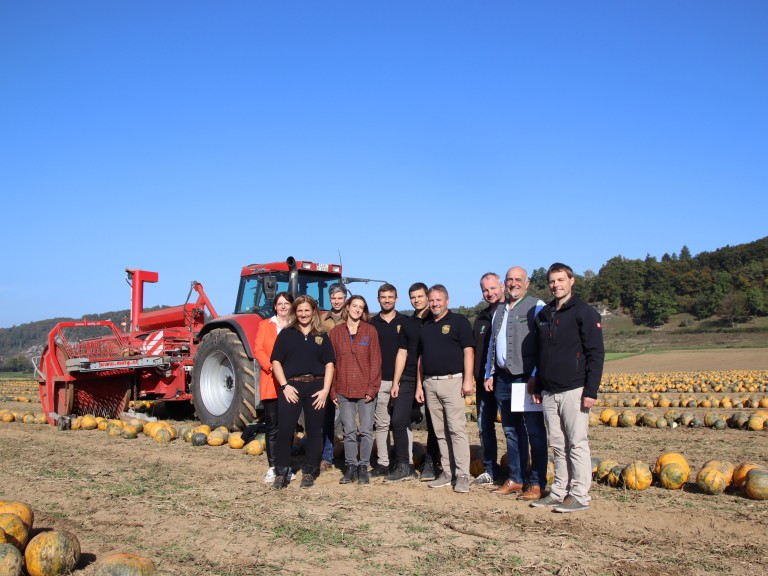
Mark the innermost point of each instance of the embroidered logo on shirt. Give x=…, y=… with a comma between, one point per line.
x=600, y=325
x=482, y=329
x=319, y=340
x=446, y=328
x=398, y=328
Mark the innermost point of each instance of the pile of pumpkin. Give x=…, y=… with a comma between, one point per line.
x=50, y=552
x=18, y=390
x=755, y=421
x=163, y=432
x=26, y=417
x=657, y=400
x=736, y=381
x=672, y=472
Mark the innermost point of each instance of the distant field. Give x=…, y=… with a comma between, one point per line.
x=689, y=360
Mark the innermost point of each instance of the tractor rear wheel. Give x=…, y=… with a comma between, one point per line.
x=223, y=383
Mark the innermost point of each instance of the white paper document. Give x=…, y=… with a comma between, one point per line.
x=521, y=400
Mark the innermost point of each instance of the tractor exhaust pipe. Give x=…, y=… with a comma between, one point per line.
x=293, y=276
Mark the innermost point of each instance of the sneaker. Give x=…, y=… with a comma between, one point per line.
x=462, y=484
x=428, y=472
x=270, y=475
x=379, y=471
x=307, y=480
x=325, y=466
x=484, y=478
x=401, y=472
x=442, y=480
x=548, y=501
x=570, y=504
x=350, y=475
x=363, y=476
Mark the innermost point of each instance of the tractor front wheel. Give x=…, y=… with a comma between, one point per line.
x=223, y=383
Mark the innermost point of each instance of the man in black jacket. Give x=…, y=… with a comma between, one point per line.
x=568, y=371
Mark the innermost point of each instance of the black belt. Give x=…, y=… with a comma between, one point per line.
x=305, y=378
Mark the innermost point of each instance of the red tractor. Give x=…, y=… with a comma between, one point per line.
x=173, y=355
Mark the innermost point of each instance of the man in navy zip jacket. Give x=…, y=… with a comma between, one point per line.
x=569, y=367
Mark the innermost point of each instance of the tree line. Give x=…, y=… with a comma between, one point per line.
x=730, y=283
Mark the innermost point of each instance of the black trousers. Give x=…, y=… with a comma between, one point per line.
x=270, y=434
x=287, y=418
x=401, y=419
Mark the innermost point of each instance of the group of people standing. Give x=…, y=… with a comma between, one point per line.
x=539, y=365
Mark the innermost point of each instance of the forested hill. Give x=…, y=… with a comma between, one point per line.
x=730, y=283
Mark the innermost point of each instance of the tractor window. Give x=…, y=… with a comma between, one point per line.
x=252, y=298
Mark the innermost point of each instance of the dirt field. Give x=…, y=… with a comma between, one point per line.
x=206, y=511
x=690, y=360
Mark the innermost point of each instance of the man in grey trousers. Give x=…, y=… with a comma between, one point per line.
x=569, y=367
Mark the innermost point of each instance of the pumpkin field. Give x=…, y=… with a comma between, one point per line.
x=201, y=508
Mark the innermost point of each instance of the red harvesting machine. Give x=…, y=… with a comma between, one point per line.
x=173, y=354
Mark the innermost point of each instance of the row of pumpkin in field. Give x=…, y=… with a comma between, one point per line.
x=657, y=400
x=672, y=472
x=49, y=552
x=735, y=381
x=672, y=418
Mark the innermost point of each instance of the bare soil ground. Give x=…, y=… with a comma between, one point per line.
x=206, y=511
x=692, y=360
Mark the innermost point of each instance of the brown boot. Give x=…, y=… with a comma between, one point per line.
x=532, y=492
x=509, y=487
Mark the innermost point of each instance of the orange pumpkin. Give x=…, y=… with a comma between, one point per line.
x=711, y=481
x=615, y=476
x=52, y=553
x=215, y=439
x=627, y=419
x=236, y=441
x=724, y=466
x=11, y=560
x=674, y=475
x=16, y=531
x=163, y=435
x=253, y=448
x=740, y=473
x=637, y=476
x=21, y=509
x=122, y=564
x=605, y=415
x=669, y=457
x=88, y=422
x=756, y=484
x=603, y=469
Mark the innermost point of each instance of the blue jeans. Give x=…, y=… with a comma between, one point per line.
x=350, y=409
x=522, y=430
x=329, y=432
x=486, y=424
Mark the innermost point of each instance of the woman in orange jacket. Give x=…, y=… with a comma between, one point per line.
x=262, y=350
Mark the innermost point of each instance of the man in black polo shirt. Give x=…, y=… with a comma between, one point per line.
x=446, y=363
x=388, y=324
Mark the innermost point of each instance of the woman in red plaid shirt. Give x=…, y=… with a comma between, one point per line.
x=356, y=383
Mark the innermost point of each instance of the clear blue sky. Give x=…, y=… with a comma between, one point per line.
x=426, y=141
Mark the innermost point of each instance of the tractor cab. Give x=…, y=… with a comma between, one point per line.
x=260, y=284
